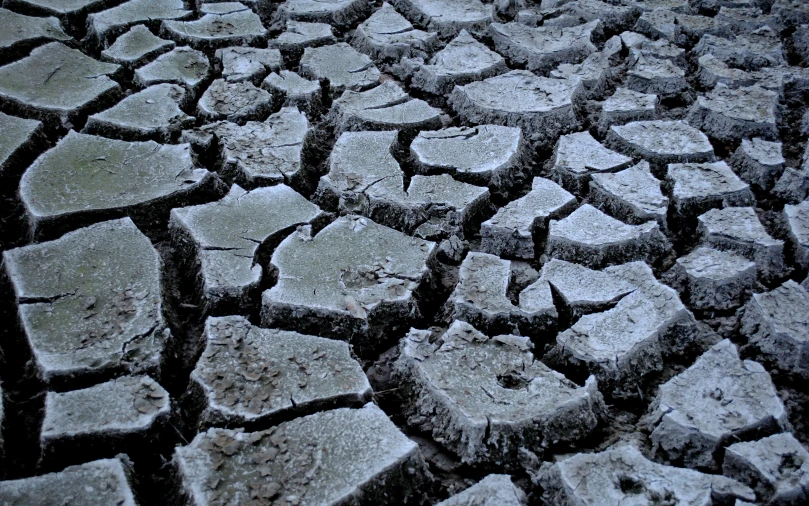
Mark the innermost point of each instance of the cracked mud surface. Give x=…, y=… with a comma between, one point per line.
x=404, y=252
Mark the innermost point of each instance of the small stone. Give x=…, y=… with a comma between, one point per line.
x=226, y=24
x=320, y=374
x=511, y=232
x=738, y=229
x=730, y=115
x=714, y=280
x=797, y=220
x=386, y=107
x=462, y=61
x=182, y=66
x=481, y=299
x=486, y=155
x=698, y=187
x=761, y=48
x=136, y=47
x=221, y=239
x=342, y=65
x=247, y=63
x=261, y=154
x=777, y=467
x=776, y=326
x=84, y=178
x=543, y=48
x=97, y=483
x=493, y=490
x=485, y=398
x=633, y=195
x=236, y=102
x=294, y=91
x=341, y=14
x=577, y=157
x=21, y=33
x=151, y=114
x=18, y=140
x=622, y=474
x=625, y=346
x=104, y=26
x=542, y=107
x=57, y=84
x=661, y=142
x=717, y=400
x=103, y=420
x=388, y=36
x=447, y=17
x=365, y=179
x=326, y=457
x=626, y=106
x=354, y=280
x=591, y=238
x=758, y=162
x=112, y=263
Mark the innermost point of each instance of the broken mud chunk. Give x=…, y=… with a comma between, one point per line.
x=712, y=71
x=625, y=346
x=543, y=48
x=299, y=36
x=103, y=420
x=97, y=483
x=655, y=76
x=342, y=65
x=493, y=490
x=616, y=476
x=481, y=299
x=221, y=25
x=486, y=155
x=754, y=51
x=21, y=33
x=354, y=281
x=462, y=61
x=578, y=156
x=388, y=36
x=136, y=47
x=250, y=375
x=699, y=187
x=542, y=107
x=72, y=14
x=292, y=90
x=739, y=230
x=661, y=142
x=719, y=399
x=633, y=195
x=793, y=185
x=447, y=17
x=626, y=106
x=236, y=102
x=85, y=178
x=614, y=17
x=151, y=114
x=730, y=115
x=223, y=237
x=800, y=42
x=18, y=139
x=522, y=224
x=797, y=221
x=260, y=154
x=595, y=72
x=386, y=107
x=590, y=237
x=710, y=279
x=341, y=14
x=90, y=303
x=677, y=28
x=317, y=459
x=486, y=398
x=365, y=179
x=104, y=26
x=777, y=328
x=247, y=63
x=660, y=49
x=183, y=66
x=58, y=85
x=758, y=162
x=776, y=467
